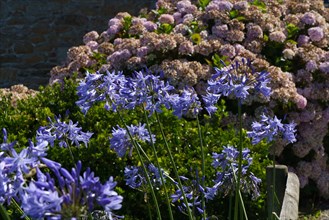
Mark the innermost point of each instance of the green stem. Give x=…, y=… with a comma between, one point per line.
x=273, y=185
x=230, y=208
x=19, y=209
x=174, y=166
x=158, y=165
x=236, y=207
x=203, y=168
x=240, y=199
x=3, y=213
x=143, y=166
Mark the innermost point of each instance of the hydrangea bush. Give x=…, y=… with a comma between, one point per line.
x=185, y=39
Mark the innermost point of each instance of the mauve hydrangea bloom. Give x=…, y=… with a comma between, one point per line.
x=277, y=36
x=219, y=30
x=220, y=5
x=150, y=26
x=315, y=33
x=186, y=7
x=166, y=18
x=302, y=40
x=43, y=199
x=324, y=67
x=93, y=45
x=63, y=132
x=118, y=57
x=227, y=162
x=311, y=66
x=308, y=18
x=236, y=79
x=121, y=142
x=242, y=5
x=90, y=36
x=271, y=128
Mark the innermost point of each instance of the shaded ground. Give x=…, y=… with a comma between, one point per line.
x=311, y=210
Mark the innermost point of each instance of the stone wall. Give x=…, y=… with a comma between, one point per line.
x=36, y=34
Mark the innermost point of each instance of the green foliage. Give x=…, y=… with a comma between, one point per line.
x=218, y=61
x=234, y=14
x=293, y=31
x=203, y=4
x=164, y=29
x=260, y=5
x=182, y=134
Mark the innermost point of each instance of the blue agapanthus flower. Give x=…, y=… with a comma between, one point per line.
x=63, y=132
x=121, y=141
x=237, y=80
x=226, y=163
x=75, y=197
x=15, y=166
x=271, y=128
x=136, y=178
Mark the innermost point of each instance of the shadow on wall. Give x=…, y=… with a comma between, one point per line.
x=35, y=35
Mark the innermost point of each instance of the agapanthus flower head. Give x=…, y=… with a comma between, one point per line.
x=226, y=163
x=136, y=178
x=63, y=132
x=236, y=79
x=187, y=103
x=43, y=199
x=121, y=141
x=193, y=192
x=88, y=91
x=271, y=128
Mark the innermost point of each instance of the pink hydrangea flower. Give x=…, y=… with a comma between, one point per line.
x=277, y=36
x=300, y=101
x=166, y=18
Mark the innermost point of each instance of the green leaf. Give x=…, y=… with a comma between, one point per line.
x=203, y=3
x=196, y=38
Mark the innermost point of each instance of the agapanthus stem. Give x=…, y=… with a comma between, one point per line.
x=241, y=201
x=174, y=167
x=203, y=169
x=143, y=166
x=3, y=213
x=236, y=206
x=19, y=209
x=273, y=185
x=158, y=165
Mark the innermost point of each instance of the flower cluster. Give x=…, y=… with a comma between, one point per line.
x=236, y=79
x=142, y=89
x=76, y=195
x=63, y=132
x=15, y=166
x=121, y=140
x=271, y=128
x=275, y=41
x=227, y=163
x=136, y=178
